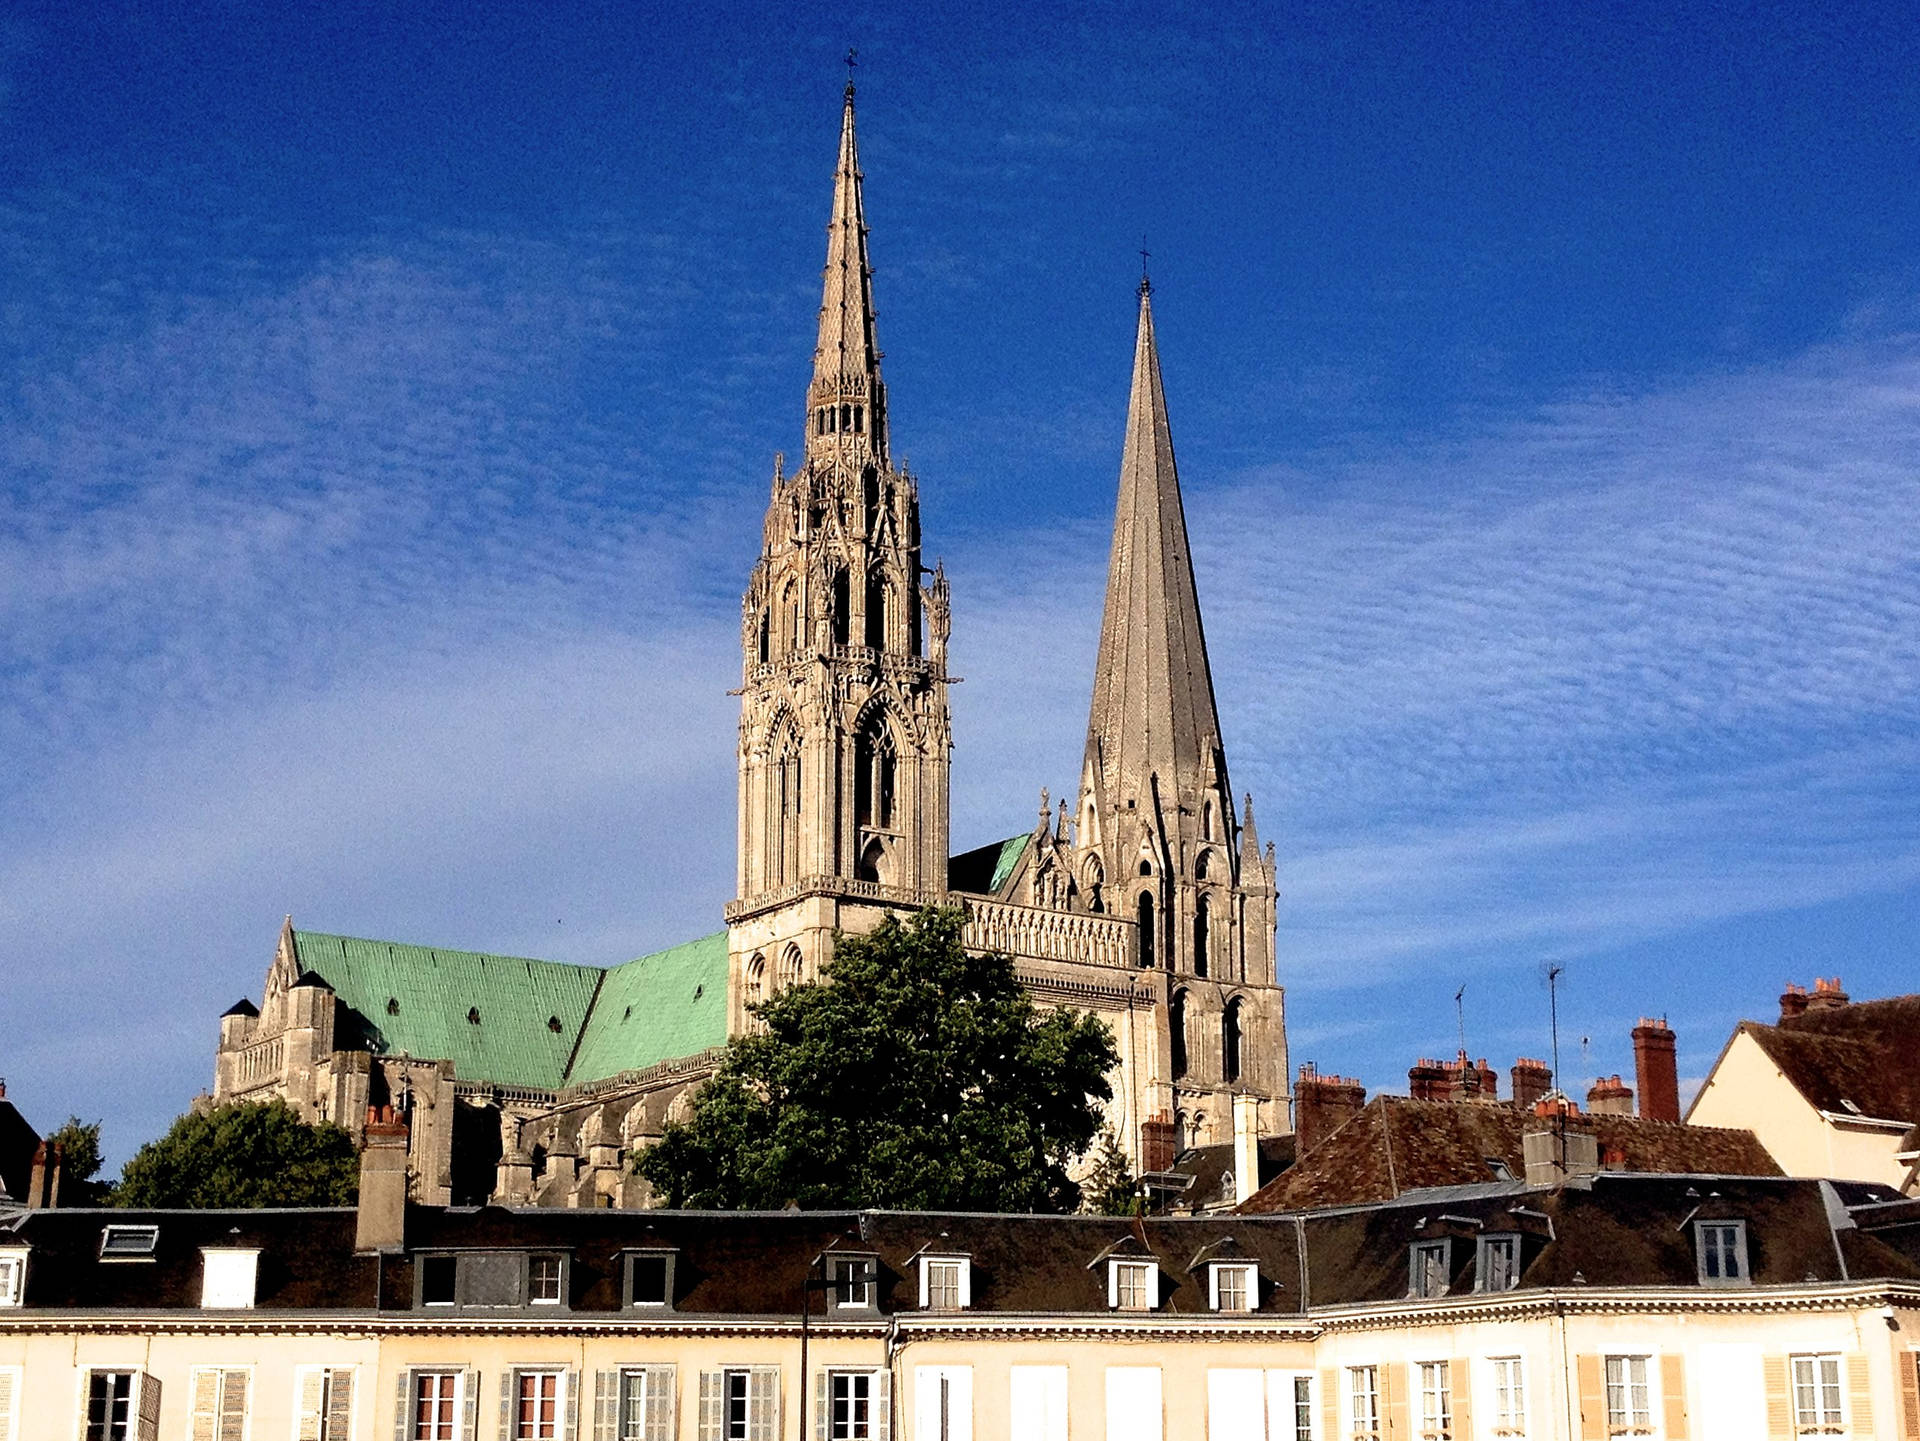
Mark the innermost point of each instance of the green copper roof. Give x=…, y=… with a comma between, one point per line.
x=533, y=1016
x=983, y=870
x=423, y=1000
x=672, y=1003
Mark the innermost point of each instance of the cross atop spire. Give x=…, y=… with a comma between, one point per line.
x=1153, y=717
x=847, y=402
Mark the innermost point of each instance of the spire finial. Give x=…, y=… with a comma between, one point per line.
x=852, y=61
x=1146, y=285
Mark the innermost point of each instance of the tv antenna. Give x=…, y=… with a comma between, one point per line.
x=1460, y=1015
x=1553, y=1016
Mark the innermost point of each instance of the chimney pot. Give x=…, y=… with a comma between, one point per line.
x=1656, y=1069
x=1322, y=1104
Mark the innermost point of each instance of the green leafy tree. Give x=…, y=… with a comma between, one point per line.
x=914, y=1076
x=79, y=1143
x=1110, y=1187
x=243, y=1155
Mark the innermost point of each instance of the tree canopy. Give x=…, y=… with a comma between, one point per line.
x=247, y=1154
x=79, y=1143
x=913, y=1076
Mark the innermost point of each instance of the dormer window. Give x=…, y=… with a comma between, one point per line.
x=946, y=1283
x=13, y=1275
x=853, y=1282
x=229, y=1276
x=1429, y=1268
x=544, y=1280
x=128, y=1243
x=650, y=1279
x=1133, y=1285
x=1498, y=1265
x=1233, y=1286
x=492, y=1280
x=1722, y=1250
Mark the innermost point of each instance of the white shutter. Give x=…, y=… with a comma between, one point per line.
x=6, y=1405
x=573, y=1406
x=606, y=1403
x=822, y=1403
x=661, y=1384
x=882, y=1411
x=402, y=1403
x=1133, y=1403
x=340, y=1404
x=310, y=1385
x=1039, y=1403
x=505, y=1433
x=206, y=1404
x=954, y=1422
x=1236, y=1405
x=470, y=1387
x=713, y=1405
x=233, y=1406
x=763, y=1404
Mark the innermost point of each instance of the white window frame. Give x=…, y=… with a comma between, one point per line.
x=1250, y=1274
x=849, y=1376
x=1038, y=1395
x=1283, y=1403
x=123, y=1232
x=927, y=1417
x=963, y=1279
x=13, y=1277
x=562, y=1381
x=415, y=1375
x=1507, y=1395
x=1508, y=1241
x=1149, y=1274
x=1417, y=1254
x=1818, y=1423
x=136, y=1386
x=559, y=1278
x=849, y=1295
x=1630, y=1421
x=329, y=1377
x=1732, y=1251
x=1362, y=1427
x=1432, y=1399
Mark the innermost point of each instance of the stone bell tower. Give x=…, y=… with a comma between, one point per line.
x=845, y=740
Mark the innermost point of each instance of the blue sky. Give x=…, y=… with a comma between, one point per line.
x=387, y=404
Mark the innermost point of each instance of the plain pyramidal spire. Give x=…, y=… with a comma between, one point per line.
x=1153, y=711
x=847, y=400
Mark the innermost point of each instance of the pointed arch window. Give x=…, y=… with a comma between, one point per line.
x=1230, y=1036
x=791, y=966
x=1096, y=899
x=873, y=776
x=790, y=616
x=1202, y=934
x=756, y=980
x=878, y=598
x=1144, y=914
x=842, y=607
x=766, y=638
x=870, y=497
x=1177, y=1032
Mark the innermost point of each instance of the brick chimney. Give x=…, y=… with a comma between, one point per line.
x=382, y=1221
x=1322, y=1105
x=1827, y=995
x=43, y=1180
x=1156, y=1145
x=1610, y=1096
x=1793, y=1002
x=1427, y=1081
x=1531, y=1080
x=1656, y=1069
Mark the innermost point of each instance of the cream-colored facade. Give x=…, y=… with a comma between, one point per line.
x=1714, y=1368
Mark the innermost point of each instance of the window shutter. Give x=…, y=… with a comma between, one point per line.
x=1673, y=1395
x=1907, y=1363
x=403, y=1387
x=606, y=1401
x=882, y=1406
x=1460, y=1398
x=1330, y=1402
x=1773, y=1380
x=206, y=1404
x=340, y=1407
x=313, y=1380
x=506, y=1409
x=1859, y=1395
x=661, y=1384
x=1593, y=1398
x=763, y=1404
x=1393, y=1403
x=6, y=1406
x=573, y=1407
x=233, y=1406
x=149, y=1407
x=822, y=1401
x=471, y=1430
x=713, y=1400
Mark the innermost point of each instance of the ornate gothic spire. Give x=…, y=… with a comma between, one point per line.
x=847, y=406
x=1153, y=711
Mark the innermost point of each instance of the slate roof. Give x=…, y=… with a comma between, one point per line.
x=1863, y=1053
x=983, y=870
x=18, y=1143
x=1396, y=1144
x=542, y=1024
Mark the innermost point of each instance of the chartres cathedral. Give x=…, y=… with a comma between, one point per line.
x=1146, y=900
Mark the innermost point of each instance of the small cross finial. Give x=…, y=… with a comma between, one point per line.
x=852, y=60
x=1146, y=285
